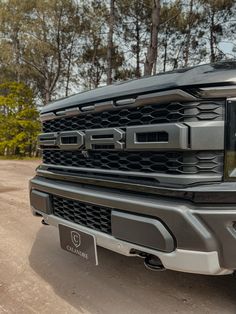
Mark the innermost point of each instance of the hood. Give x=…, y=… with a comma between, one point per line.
x=217, y=74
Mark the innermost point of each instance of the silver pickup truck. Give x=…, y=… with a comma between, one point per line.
x=145, y=168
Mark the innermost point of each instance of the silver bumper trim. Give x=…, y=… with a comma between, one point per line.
x=198, y=262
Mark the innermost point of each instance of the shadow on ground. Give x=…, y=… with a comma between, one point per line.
x=122, y=285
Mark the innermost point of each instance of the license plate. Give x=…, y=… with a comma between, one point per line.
x=79, y=243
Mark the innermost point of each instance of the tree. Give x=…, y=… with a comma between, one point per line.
x=216, y=17
x=110, y=41
x=51, y=33
x=93, y=61
x=151, y=57
x=170, y=39
x=12, y=15
x=189, y=25
x=42, y=31
x=18, y=119
x=187, y=44
x=133, y=24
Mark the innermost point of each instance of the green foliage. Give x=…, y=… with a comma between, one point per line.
x=18, y=120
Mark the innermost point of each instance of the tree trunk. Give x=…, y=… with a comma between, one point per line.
x=47, y=97
x=188, y=39
x=212, y=38
x=16, y=47
x=110, y=42
x=137, y=29
x=152, y=48
x=68, y=71
x=165, y=56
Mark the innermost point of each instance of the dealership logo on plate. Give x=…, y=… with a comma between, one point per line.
x=75, y=238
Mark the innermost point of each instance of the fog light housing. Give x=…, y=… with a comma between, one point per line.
x=40, y=201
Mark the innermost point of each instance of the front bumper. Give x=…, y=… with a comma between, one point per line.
x=204, y=234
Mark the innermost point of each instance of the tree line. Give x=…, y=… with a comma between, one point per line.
x=59, y=47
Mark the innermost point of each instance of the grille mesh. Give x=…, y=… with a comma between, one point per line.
x=92, y=216
x=163, y=162
x=149, y=114
x=192, y=163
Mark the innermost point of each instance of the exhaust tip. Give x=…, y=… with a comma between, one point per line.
x=43, y=222
x=152, y=262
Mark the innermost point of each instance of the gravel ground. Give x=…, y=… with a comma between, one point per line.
x=36, y=276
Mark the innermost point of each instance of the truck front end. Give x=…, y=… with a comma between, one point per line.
x=145, y=168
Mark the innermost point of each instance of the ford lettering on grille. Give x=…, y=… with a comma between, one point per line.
x=141, y=137
x=166, y=136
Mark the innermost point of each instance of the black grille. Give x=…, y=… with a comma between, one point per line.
x=149, y=114
x=163, y=162
x=86, y=214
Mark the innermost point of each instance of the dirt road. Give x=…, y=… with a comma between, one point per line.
x=36, y=276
